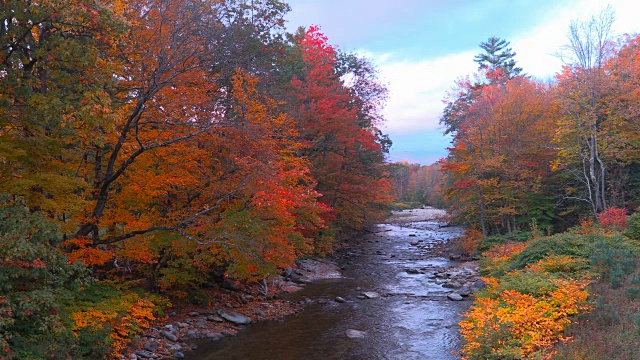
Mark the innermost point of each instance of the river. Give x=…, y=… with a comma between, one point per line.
x=411, y=319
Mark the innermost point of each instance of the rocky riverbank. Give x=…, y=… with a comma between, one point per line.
x=232, y=308
x=235, y=307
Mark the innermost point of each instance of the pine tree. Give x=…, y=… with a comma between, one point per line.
x=498, y=56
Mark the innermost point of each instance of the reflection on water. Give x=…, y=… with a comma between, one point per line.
x=411, y=320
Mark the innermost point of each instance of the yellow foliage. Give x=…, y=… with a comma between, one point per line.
x=125, y=316
x=523, y=323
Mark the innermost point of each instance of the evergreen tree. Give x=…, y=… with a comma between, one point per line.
x=498, y=56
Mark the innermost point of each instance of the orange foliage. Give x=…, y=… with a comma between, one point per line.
x=510, y=323
x=89, y=255
x=471, y=239
x=125, y=317
x=505, y=251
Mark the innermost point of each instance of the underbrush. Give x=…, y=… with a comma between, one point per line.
x=50, y=309
x=612, y=329
x=543, y=291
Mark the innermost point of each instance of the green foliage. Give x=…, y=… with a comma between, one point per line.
x=534, y=283
x=633, y=291
x=488, y=242
x=559, y=244
x=34, y=279
x=500, y=338
x=633, y=226
x=613, y=258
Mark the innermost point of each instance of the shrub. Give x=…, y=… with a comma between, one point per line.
x=565, y=244
x=633, y=226
x=613, y=259
x=34, y=279
x=613, y=218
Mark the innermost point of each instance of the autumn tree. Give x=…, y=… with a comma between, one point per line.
x=490, y=163
x=345, y=153
x=580, y=95
x=57, y=62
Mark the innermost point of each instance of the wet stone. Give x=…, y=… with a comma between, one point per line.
x=370, y=294
x=146, y=354
x=413, y=271
x=454, y=297
x=355, y=334
x=214, y=318
x=191, y=334
x=168, y=335
x=150, y=346
x=234, y=317
x=465, y=290
x=214, y=336
x=339, y=299
x=452, y=285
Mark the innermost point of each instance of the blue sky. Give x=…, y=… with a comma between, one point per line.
x=422, y=46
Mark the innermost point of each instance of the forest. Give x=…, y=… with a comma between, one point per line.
x=150, y=149
x=545, y=177
x=153, y=150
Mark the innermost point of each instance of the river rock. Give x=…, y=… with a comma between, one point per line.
x=214, y=336
x=174, y=347
x=229, y=285
x=201, y=324
x=150, y=346
x=355, y=334
x=452, y=285
x=465, y=290
x=168, y=335
x=178, y=355
x=214, y=318
x=194, y=313
x=339, y=299
x=370, y=294
x=478, y=285
x=146, y=354
x=133, y=357
x=182, y=325
x=234, y=317
x=454, y=297
x=191, y=334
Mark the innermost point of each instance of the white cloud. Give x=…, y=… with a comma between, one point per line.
x=537, y=48
x=417, y=88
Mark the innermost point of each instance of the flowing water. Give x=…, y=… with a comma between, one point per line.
x=412, y=319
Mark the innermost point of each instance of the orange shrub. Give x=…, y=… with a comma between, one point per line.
x=471, y=239
x=524, y=324
x=125, y=316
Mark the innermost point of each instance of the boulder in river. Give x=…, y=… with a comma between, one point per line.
x=234, y=317
x=465, y=290
x=370, y=294
x=478, y=285
x=452, y=285
x=454, y=297
x=355, y=334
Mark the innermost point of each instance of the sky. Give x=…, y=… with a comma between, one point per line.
x=420, y=47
